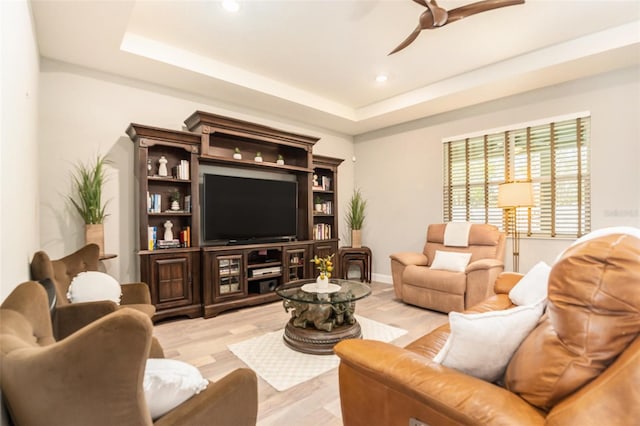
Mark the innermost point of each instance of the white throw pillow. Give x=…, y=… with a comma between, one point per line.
x=450, y=261
x=481, y=345
x=532, y=288
x=168, y=383
x=92, y=286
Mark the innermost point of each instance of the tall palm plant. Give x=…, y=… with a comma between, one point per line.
x=355, y=217
x=88, y=181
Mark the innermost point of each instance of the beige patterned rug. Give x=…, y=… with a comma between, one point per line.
x=283, y=367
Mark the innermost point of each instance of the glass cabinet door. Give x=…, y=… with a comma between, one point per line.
x=297, y=264
x=230, y=279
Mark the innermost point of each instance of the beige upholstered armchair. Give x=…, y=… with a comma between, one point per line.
x=417, y=283
x=96, y=375
x=70, y=317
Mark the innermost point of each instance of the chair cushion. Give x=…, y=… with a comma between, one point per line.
x=168, y=383
x=93, y=286
x=532, y=288
x=444, y=281
x=593, y=316
x=450, y=261
x=482, y=344
x=149, y=310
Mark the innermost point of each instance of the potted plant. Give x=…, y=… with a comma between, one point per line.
x=355, y=217
x=236, y=154
x=318, y=204
x=174, y=196
x=258, y=158
x=88, y=181
x=280, y=160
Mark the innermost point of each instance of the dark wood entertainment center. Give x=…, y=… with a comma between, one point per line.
x=194, y=280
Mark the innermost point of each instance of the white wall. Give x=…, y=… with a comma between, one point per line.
x=19, y=236
x=400, y=169
x=83, y=113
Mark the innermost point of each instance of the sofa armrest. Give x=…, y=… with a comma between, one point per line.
x=506, y=281
x=423, y=389
x=483, y=264
x=231, y=401
x=135, y=293
x=72, y=317
x=410, y=258
x=93, y=377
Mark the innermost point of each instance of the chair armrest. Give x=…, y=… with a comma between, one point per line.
x=74, y=316
x=135, y=293
x=410, y=258
x=231, y=401
x=483, y=264
x=506, y=281
x=402, y=375
x=93, y=377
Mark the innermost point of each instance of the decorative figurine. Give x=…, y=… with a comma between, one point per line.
x=162, y=169
x=280, y=160
x=258, y=158
x=168, y=234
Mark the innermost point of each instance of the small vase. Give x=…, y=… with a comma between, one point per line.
x=280, y=162
x=258, y=159
x=175, y=205
x=237, y=156
x=322, y=283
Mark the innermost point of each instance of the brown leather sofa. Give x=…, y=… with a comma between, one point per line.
x=95, y=376
x=416, y=283
x=70, y=317
x=579, y=366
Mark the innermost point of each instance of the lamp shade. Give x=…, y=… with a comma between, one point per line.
x=515, y=194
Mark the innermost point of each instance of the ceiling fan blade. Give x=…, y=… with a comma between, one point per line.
x=407, y=41
x=479, y=7
x=439, y=15
x=421, y=2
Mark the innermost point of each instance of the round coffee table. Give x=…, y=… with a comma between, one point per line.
x=320, y=318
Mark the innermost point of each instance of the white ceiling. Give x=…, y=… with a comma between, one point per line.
x=316, y=61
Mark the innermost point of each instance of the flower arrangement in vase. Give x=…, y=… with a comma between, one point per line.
x=325, y=266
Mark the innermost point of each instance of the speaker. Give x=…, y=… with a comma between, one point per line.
x=267, y=286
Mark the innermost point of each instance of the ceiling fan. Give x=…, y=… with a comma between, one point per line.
x=436, y=17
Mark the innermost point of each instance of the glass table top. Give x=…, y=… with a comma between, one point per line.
x=340, y=291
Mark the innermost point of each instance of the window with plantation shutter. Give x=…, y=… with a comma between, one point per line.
x=553, y=155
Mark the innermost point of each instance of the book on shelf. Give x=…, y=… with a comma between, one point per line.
x=154, y=203
x=166, y=244
x=185, y=237
x=322, y=231
x=151, y=237
x=181, y=171
x=187, y=203
x=326, y=183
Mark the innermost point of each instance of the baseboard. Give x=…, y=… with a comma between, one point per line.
x=382, y=278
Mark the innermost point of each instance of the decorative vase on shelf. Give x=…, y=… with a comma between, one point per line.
x=258, y=158
x=280, y=161
x=322, y=282
x=175, y=205
x=236, y=154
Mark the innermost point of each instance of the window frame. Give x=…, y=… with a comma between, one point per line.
x=553, y=154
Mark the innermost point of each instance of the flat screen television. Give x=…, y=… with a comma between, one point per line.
x=245, y=209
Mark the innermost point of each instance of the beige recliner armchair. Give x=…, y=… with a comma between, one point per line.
x=69, y=317
x=416, y=283
x=95, y=376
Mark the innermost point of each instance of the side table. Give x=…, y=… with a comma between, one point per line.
x=360, y=257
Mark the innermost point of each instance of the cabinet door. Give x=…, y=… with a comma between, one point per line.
x=323, y=249
x=229, y=279
x=296, y=264
x=171, y=277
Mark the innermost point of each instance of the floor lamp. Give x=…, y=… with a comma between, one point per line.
x=512, y=195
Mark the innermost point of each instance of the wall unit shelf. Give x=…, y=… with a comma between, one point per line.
x=192, y=280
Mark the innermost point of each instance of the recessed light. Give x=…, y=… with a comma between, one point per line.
x=381, y=78
x=231, y=5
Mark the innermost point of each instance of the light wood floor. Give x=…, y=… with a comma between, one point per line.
x=203, y=343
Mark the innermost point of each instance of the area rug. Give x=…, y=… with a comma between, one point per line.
x=283, y=367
